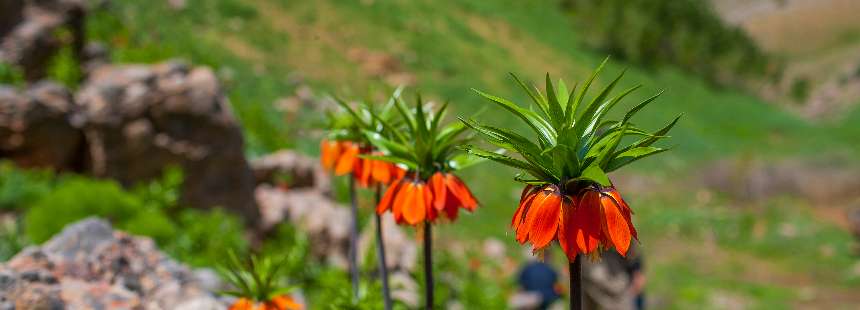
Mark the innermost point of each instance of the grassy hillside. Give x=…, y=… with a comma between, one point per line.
x=260, y=47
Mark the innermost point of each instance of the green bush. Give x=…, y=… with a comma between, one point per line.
x=192, y=236
x=10, y=75
x=78, y=198
x=800, y=89
x=204, y=237
x=19, y=187
x=12, y=240
x=64, y=66
x=686, y=33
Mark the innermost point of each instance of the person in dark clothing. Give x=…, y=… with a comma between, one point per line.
x=539, y=277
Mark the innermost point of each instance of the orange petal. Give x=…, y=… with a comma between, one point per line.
x=366, y=170
x=586, y=223
x=625, y=210
x=461, y=191
x=397, y=172
x=328, y=153
x=437, y=184
x=428, y=200
x=526, y=190
x=567, y=228
x=381, y=171
x=415, y=209
x=346, y=162
x=525, y=198
x=543, y=218
x=521, y=225
x=615, y=225
x=402, y=200
x=385, y=203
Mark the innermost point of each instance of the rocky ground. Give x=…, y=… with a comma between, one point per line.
x=91, y=266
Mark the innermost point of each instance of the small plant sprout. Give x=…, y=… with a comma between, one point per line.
x=429, y=191
x=345, y=152
x=258, y=284
x=567, y=195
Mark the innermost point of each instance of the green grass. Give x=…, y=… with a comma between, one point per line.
x=258, y=47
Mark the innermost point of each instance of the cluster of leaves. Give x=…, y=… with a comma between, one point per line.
x=419, y=141
x=352, y=123
x=575, y=142
x=686, y=33
x=255, y=276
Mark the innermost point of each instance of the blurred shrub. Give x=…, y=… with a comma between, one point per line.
x=10, y=75
x=686, y=33
x=19, y=188
x=800, y=89
x=75, y=199
x=162, y=193
x=63, y=66
x=336, y=289
x=148, y=209
x=12, y=239
x=203, y=237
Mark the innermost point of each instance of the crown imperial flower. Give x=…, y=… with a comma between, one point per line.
x=568, y=196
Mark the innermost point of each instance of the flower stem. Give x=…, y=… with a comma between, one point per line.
x=353, y=239
x=428, y=265
x=575, y=269
x=380, y=251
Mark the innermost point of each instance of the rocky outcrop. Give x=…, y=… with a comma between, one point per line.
x=91, y=266
x=139, y=119
x=29, y=32
x=36, y=127
x=129, y=123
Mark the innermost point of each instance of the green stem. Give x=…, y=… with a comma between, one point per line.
x=380, y=251
x=353, y=239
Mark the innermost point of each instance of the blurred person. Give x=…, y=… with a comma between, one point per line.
x=539, y=283
x=614, y=282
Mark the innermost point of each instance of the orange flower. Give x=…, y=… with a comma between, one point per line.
x=281, y=302
x=414, y=201
x=284, y=302
x=369, y=172
x=595, y=217
x=450, y=194
x=242, y=304
x=343, y=157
